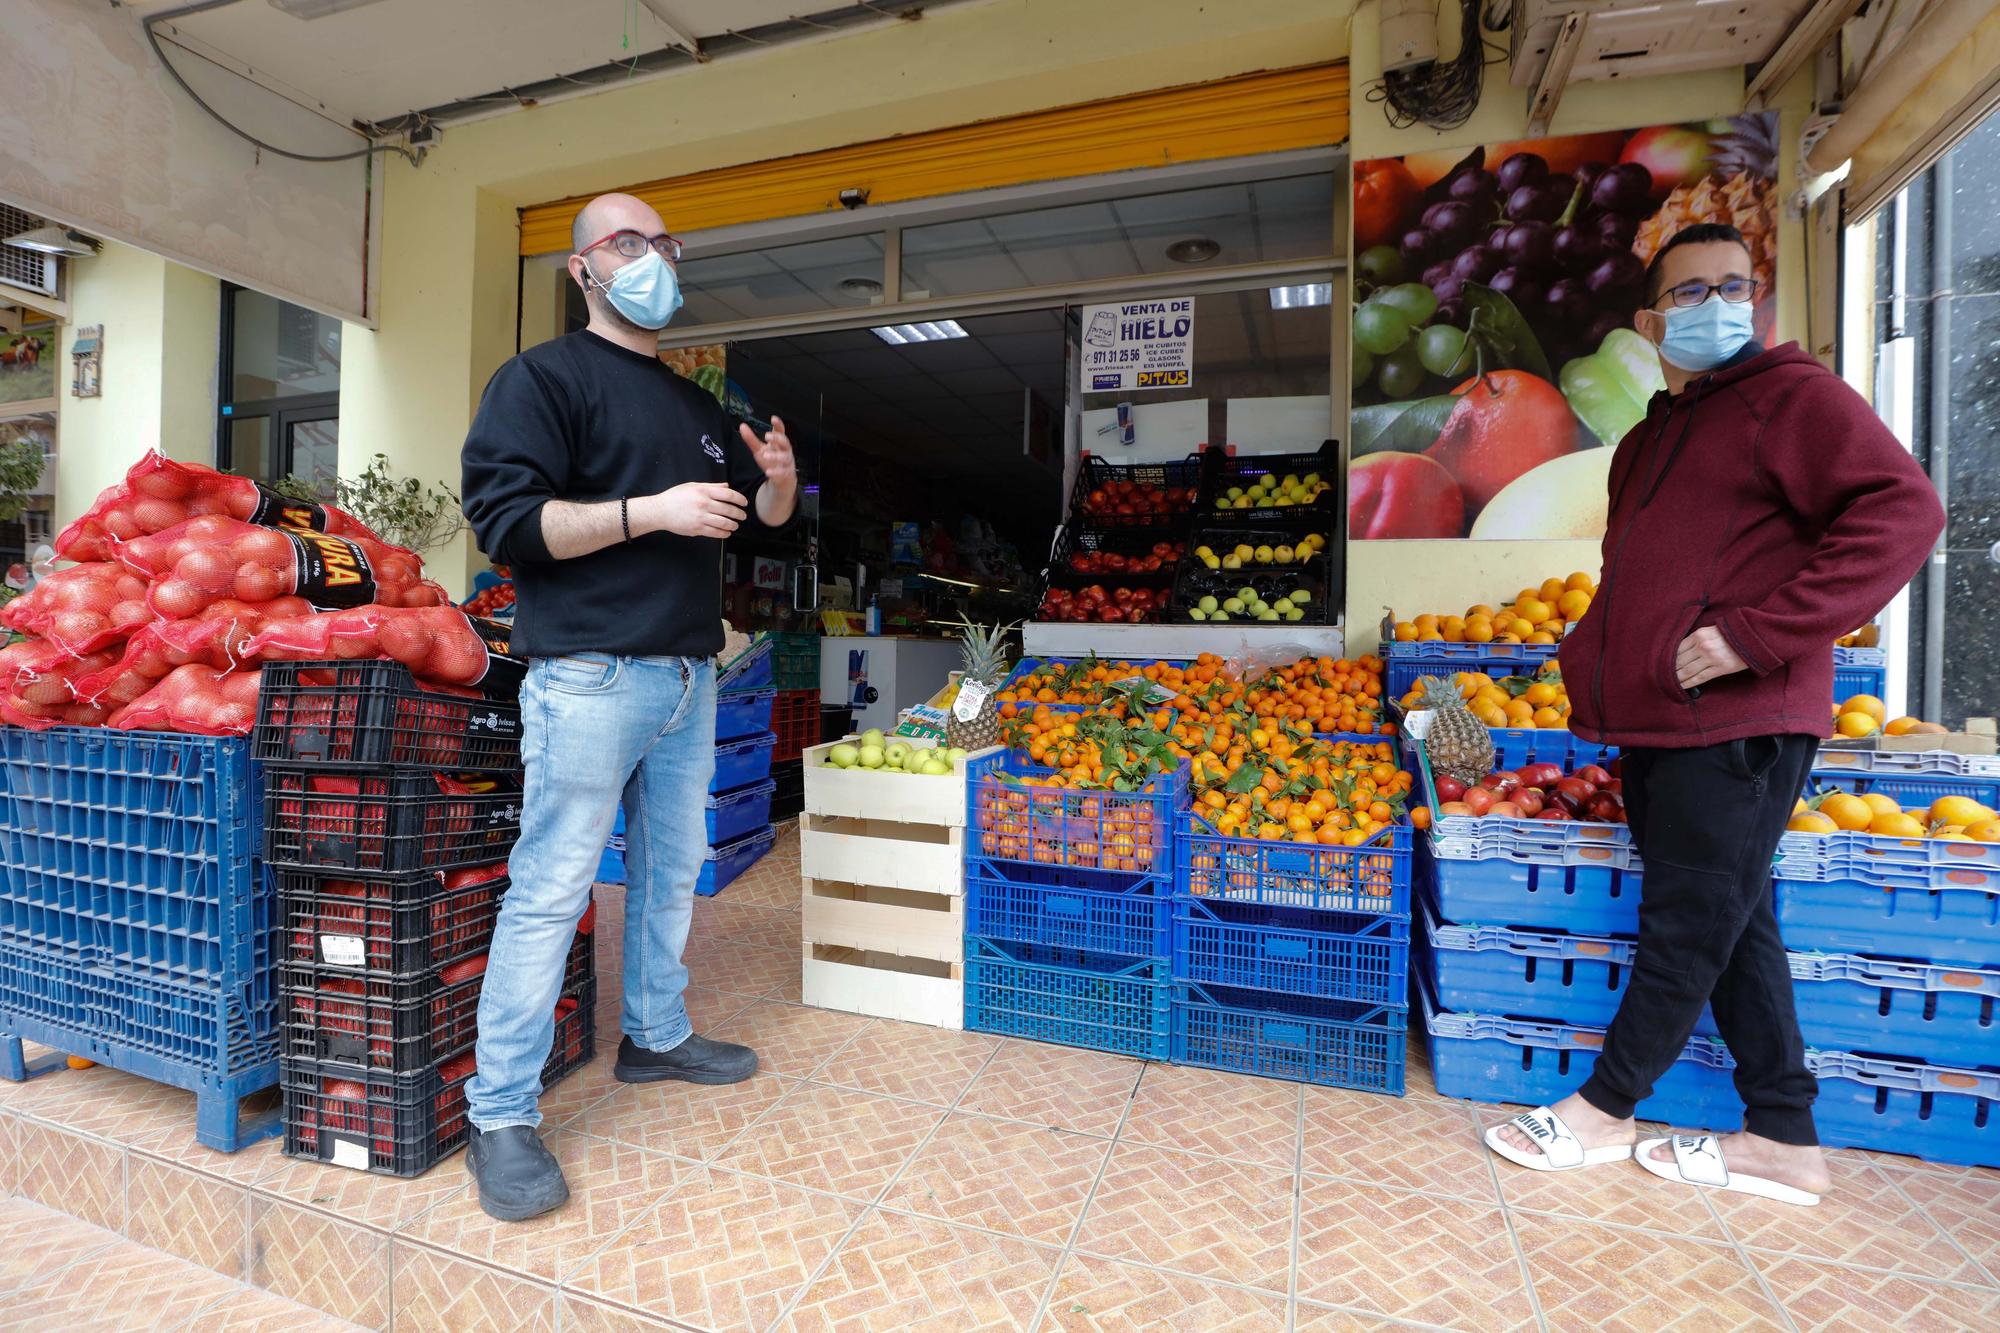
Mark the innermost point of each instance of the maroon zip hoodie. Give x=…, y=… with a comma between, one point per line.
x=1766, y=499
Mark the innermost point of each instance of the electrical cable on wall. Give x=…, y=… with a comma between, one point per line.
x=1442, y=94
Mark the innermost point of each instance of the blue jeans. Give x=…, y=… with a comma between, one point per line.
x=596, y=729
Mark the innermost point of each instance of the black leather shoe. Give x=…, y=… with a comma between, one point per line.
x=696, y=1060
x=518, y=1177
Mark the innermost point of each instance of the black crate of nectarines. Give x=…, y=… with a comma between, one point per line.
x=1134, y=495
x=1260, y=488
x=370, y=715
x=1288, y=572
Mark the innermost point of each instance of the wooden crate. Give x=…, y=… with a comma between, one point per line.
x=908, y=923
x=855, y=793
x=884, y=985
x=929, y=857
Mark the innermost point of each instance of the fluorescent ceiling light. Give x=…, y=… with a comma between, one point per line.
x=1305, y=294
x=54, y=240
x=930, y=330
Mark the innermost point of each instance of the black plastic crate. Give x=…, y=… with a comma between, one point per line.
x=393, y=925
x=404, y=1124
x=1319, y=576
x=365, y=716
x=388, y=823
x=790, y=797
x=399, y=1024
x=1222, y=471
x=1118, y=548
x=1095, y=473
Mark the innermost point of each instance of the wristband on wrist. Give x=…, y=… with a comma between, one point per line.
x=625, y=516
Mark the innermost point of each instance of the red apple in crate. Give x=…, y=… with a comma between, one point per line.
x=1392, y=497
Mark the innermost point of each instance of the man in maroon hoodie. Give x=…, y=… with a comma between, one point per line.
x=1757, y=513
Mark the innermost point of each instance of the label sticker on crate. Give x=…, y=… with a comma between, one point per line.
x=343, y=951
x=349, y=1153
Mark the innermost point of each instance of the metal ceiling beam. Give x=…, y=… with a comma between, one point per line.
x=687, y=40
x=1815, y=28
x=1548, y=92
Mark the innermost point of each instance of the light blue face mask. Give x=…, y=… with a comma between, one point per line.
x=646, y=291
x=1702, y=337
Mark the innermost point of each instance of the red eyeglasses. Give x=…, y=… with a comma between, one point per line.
x=631, y=245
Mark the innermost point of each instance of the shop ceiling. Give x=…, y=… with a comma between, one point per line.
x=388, y=64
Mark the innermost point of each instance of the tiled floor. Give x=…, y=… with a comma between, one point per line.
x=881, y=1176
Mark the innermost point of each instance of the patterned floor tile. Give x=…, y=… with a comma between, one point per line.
x=242, y=1167
x=1022, y=1180
x=910, y=1060
x=1415, y=1144
x=725, y=1252
x=1621, y=1194
x=250, y=1311
x=330, y=1265
x=1605, y=1280
x=788, y=1038
x=382, y=1202
x=435, y=1293
x=36, y=1241
x=111, y=1105
x=833, y=1139
x=610, y=1184
x=582, y=1315
x=779, y=884
x=1225, y=1115
x=707, y=1009
x=196, y=1217
x=751, y=972
x=1309, y=1317
x=1863, y=1220
x=1203, y=1216
x=913, y=1273
x=729, y=922
x=680, y=1118
x=1825, y=1298
x=120, y=1286
x=72, y=1174
x=791, y=989
x=1104, y=1296
x=10, y=1161
x=1409, y=1256
x=1086, y=1091
x=583, y=1088
x=1966, y=1206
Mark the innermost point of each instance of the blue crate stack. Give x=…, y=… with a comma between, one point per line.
x=135, y=926
x=1859, y=671
x=1404, y=664
x=1068, y=909
x=389, y=814
x=1529, y=937
x=740, y=794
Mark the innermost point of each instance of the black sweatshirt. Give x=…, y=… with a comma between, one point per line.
x=583, y=419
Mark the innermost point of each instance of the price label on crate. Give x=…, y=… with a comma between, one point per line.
x=343, y=951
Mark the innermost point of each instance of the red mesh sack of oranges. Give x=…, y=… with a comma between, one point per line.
x=82, y=608
x=214, y=638
x=200, y=562
x=196, y=699
x=159, y=493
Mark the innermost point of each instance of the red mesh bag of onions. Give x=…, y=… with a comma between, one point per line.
x=159, y=493
x=436, y=643
x=199, y=699
x=198, y=563
x=213, y=638
x=36, y=687
x=82, y=608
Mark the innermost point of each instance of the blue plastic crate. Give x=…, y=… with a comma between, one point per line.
x=751, y=669
x=1329, y=1042
x=1912, y=862
x=136, y=922
x=1067, y=908
x=1909, y=790
x=1407, y=663
x=1322, y=955
x=733, y=814
x=1491, y=1059
x=1958, y=924
x=740, y=763
x=1530, y=841
x=725, y=863
x=1536, y=975
x=1909, y=1011
x=1940, y=1114
x=1373, y=878
x=1128, y=833
x=744, y=714
x=1103, y=1002
x=1849, y=681
x=1585, y=899
x=1910, y=777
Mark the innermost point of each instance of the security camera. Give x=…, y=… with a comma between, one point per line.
x=853, y=198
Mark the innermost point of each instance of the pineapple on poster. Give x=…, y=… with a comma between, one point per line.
x=1495, y=363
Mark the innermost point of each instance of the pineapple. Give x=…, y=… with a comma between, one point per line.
x=1741, y=189
x=1459, y=744
x=985, y=663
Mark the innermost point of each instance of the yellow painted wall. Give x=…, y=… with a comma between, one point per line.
x=448, y=235
x=1447, y=576
x=161, y=323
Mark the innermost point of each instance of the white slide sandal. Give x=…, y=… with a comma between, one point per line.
x=1698, y=1161
x=1561, y=1150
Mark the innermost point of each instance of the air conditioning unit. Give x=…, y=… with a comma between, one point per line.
x=1627, y=38
x=30, y=270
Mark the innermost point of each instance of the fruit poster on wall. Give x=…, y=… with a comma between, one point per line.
x=1495, y=360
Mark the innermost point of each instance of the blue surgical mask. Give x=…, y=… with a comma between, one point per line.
x=1702, y=337
x=646, y=291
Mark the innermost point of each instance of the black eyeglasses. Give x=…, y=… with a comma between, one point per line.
x=1694, y=293
x=631, y=245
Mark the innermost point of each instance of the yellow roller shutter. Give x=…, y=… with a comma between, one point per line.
x=1257, y=113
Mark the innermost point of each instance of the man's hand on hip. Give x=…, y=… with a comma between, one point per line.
x=694, y=509
x=1705, y=655
x=774, y=454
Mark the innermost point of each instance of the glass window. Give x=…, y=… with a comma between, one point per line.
x=843, y=273
x=1183, y=231
x=281, y=389
x=248, y=448
x=280, y=350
